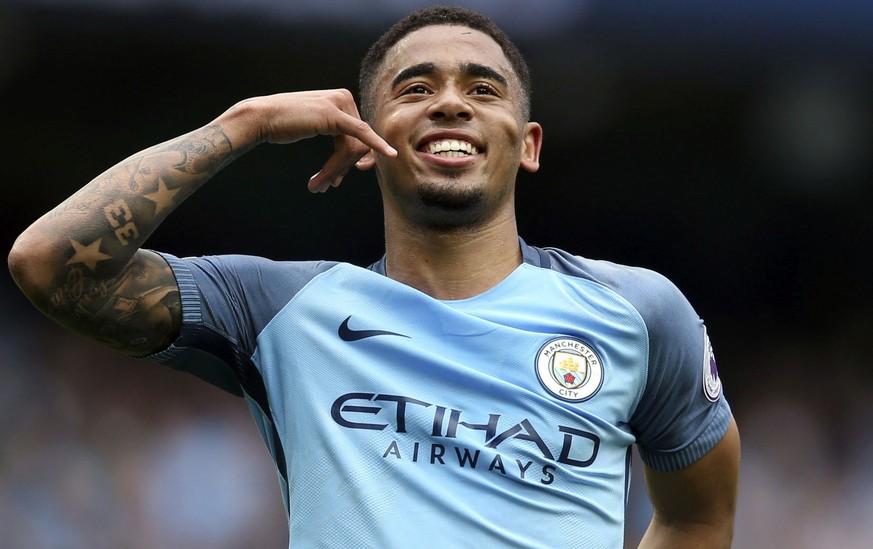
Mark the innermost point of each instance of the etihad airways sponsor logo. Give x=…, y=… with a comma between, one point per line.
x=380, y=412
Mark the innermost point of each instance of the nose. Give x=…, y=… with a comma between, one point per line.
x=450, y=103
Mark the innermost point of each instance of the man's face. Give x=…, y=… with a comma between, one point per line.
x=448, y=100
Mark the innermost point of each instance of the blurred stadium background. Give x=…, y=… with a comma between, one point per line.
x=727, y=146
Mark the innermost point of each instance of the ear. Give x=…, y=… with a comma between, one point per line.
x=367, y=162
x=533, y=142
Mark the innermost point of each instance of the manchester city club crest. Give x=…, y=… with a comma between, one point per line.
x=569, y=369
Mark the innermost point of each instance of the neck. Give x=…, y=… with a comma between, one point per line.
x=453, y=264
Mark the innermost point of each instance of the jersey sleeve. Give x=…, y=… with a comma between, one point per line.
x=226, y=302
x=682, y=413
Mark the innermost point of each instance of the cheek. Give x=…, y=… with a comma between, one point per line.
x=510, y=146
x=396, y=131
x=394, y=118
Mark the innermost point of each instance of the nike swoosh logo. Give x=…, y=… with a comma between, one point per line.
x=348, y=334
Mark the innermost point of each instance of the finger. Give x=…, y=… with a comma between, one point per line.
x=347, y=151
x=323, y=180
x=329, y=176
x=366, y=162
x=352, y=124
x=355, y=127
x=316, y=183
x=320, y=182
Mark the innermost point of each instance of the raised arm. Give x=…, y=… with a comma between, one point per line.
x=81, y=263
x=694, y=507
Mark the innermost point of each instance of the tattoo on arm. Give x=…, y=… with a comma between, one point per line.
x=204, y=154
x=89, y=254
x=121, y=219
x=105, y=287
x=163, y=197
x=137, y=311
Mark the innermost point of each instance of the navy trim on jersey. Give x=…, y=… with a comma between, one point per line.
x=250, y=378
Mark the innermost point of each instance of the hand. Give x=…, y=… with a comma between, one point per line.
x=290, y=117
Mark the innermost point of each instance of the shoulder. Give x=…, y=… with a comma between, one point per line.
x=248, y=265
x=226, y=301
x=674, y=331
x=228, y=291
x=654, y=296
x=232, y=273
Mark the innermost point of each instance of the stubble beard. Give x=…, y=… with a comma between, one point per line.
x=450, y=207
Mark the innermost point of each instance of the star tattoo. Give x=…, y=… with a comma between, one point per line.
x=163, y=197
x=90, y=255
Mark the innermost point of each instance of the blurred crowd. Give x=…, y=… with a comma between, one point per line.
x=101, y=451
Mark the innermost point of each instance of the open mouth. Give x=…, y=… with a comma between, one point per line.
x=451, y=148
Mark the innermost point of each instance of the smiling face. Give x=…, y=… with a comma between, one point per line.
x=450, y=103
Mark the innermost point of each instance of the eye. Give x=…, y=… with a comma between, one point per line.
x=416, y=89
x=484, y=89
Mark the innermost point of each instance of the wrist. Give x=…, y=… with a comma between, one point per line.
x=242, y=125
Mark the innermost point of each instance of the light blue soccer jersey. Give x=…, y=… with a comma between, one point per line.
x=506, y=419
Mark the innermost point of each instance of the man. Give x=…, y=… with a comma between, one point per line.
x=467, y=389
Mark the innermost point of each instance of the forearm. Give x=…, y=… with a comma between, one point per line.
x=79, y=260
x=102, y=225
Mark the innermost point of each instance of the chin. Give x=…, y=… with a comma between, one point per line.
x=451, y=208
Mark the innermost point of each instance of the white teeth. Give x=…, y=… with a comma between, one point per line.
x=451, y=148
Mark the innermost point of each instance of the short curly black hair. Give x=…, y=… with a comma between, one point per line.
x=440, y=15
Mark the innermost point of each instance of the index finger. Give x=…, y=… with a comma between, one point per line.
x=363, y=132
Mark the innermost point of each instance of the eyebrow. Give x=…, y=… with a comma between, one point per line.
x=469, y=69
x=483, y=71
x=414, y=71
